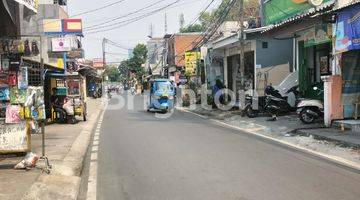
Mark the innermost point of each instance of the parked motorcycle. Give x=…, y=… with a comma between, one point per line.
x=310, y=110
x=272, y=103
x=276, y=104
x=252, y=111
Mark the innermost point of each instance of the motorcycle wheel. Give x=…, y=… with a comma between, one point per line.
x=306, y=118
x=250, y=112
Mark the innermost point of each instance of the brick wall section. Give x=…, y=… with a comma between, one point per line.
x=183, y=43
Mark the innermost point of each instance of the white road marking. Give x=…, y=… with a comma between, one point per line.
x=95, y=148
x=92, y=181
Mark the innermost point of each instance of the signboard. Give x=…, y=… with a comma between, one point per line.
x=191, y=60
x=98, y=63
x=348, y=29
x=72, y=25
x=52, y=26
x=276, y=11
x=62, y=26
x=319, y=34
x=61, y=44
x=31, y=4
x=14, y=138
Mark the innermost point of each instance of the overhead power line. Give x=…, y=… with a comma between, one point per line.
x=126, y=15
x=129, y=21
x=99, y=8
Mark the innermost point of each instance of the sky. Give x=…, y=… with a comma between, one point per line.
x=129, y=35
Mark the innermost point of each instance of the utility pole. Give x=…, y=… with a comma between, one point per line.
x=166, y=24
x=104, y=52
x=242, y=46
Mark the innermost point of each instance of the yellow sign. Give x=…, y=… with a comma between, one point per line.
x=74, y=25
x=52, y=25
x=191, y=61
x=60, y=63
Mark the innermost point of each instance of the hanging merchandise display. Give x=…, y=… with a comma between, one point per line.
x=4, y=93
x=17, y=96
x=21, y=103
x=23, y=79
x=13, y=114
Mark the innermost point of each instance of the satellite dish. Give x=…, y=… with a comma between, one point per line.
x=246, y=24
x=315, y=2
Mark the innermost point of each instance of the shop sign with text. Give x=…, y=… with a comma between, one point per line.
x=61, y=44
x=191, y=60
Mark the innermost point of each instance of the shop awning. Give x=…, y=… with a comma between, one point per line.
x=46, y=66
x=324, y=7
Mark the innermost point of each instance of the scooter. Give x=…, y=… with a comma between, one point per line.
x=310, y=110
x=272, y=103
x=276, y=104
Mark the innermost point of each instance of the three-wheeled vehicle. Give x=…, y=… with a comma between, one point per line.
x=69, y=91
x=162, y=95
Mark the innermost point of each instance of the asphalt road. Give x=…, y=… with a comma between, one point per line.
x=142, y=157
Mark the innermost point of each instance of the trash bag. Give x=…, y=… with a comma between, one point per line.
x=69, y=108
x=29, y=161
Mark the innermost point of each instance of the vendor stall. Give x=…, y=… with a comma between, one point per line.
x=21, y=96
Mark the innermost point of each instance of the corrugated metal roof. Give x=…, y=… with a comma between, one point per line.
x=310, y=12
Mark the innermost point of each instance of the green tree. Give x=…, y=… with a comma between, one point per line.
x=251, y=12
x=113, y=73
x=134, y=64
x=193, y=28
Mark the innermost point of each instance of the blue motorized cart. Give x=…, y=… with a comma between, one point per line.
x=162, y=95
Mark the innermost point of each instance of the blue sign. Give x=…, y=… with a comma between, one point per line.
x=348, y=29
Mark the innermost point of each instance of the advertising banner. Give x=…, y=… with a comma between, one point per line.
x=191, y=61
x=14, y=138
x=61, y=44
x=72, y=25
x=348, y=29
x=31, y=4
x=319, y=34
x=98, y=63
x=276, y=11
x=52, y=26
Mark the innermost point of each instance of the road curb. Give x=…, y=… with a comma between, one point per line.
x=65, y=178
x=334, y=159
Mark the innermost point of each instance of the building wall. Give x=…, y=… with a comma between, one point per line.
x=277, y=52
x=270, y=76
x=183, y=43
x=155, y=48
x=9, y=22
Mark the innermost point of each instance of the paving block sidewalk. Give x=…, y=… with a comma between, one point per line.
x=59, y=141
x=291, y=130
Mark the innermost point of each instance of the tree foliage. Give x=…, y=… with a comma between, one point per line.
x=135, y=63
x=112, y=73
x=251, y=12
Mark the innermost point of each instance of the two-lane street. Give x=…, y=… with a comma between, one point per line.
x=185, y=157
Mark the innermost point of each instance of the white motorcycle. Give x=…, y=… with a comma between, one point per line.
x=310, y=110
